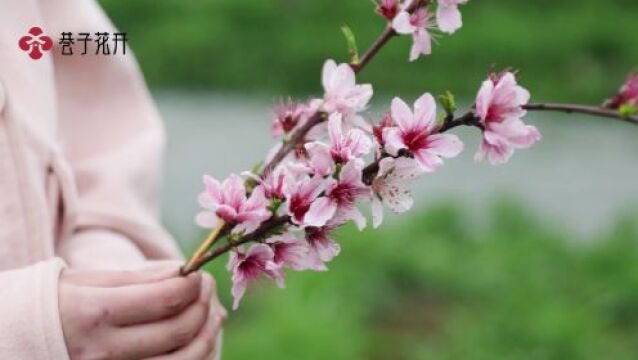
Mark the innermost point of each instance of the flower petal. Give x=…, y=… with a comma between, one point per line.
x=402, y=24
x=393, y=140
x=233, y=191
x=448, y=17
x=213, y=188
x=321, y=210
x=377, y=212
x=351, y=212
x=425, y=112
x=421, y=44
x=402, y=114
x=206, y=219
x=446, y=145
x=335, y=128
x=320, y=160
x=429, y=162
x=484, y=98
x=328, y=72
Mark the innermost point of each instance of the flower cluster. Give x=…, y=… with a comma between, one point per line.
x=420, y=23
x=331, y=161
x=342, y=163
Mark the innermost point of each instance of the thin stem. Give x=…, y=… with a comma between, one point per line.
x=204, y=246
x=297, y=138
x=582, y=109
x=467, y=119
x=263, y=230
x=386, y=35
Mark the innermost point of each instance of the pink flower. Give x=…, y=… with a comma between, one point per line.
x=301, y=195
x=293, y=253
x=340, y=199
x=628, y=94
x=287, y=117
x=275, y=182
x=377, y=130
x=417, y=25
x=228, y=201
x=418, y=133
x=388, y=9
x=345, y=146
x=391, y=186
x=499, y=106
x=342, y=94
x=249, y=267
x=321, y=244
x=448, y=16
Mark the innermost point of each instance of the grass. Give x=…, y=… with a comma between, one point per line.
x=578, y=50
x=431, y=287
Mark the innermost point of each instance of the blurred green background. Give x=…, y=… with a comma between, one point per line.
x=436, y=284
x=566, y=49
x=432, y=287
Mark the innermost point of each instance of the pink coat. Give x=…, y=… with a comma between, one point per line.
x=80, y=148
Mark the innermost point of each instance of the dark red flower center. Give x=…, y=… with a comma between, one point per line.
x=416, y=140
x=298, y=207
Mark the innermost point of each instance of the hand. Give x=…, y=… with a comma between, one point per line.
x=138, y=315
x=207, y=344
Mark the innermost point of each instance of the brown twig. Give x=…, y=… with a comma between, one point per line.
x=298, y=137
x=213, y=236
x=582, y=109
x=257, y=235
x=386, y=35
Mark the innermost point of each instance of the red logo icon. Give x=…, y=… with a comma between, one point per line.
x=35, y=43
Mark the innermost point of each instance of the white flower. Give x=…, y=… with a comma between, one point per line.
x=391, y=186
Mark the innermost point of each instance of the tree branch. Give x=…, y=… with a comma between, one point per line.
x=582, y=109
x=263, y=230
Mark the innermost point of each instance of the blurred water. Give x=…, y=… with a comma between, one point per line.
x=579, y=177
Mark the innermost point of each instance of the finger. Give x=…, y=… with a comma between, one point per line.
x=101, y=278
x=153, y=339
x=149, y=302
x=216, y=305
x=217, y=349
x=204, y=347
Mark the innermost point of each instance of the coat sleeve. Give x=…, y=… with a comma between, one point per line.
x=31, y=327
x=113, y=138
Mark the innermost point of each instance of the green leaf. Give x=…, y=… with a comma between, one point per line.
x=353, y=51
x=448, y=102
x=628, y=110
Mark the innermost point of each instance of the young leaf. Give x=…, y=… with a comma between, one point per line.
x=448, y=102
x=627, y=110
x=353, y=51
